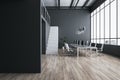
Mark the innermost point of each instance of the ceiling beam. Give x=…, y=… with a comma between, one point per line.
x=85, y=3
x=66, y=8
x=58, y=3
x=76, y=3
x=71, y=4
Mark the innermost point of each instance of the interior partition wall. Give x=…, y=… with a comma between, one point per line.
x=105, y=26
x=20, y=50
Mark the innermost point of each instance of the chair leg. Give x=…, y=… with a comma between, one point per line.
x=97, y=52
x=91, y=52
x=77, y=52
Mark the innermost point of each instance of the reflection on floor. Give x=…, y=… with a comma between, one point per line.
x=55, y=67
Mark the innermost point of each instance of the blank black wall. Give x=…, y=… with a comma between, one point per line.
x=69, y=21
x=43, y=37
x=112, y=50
x=20, y=36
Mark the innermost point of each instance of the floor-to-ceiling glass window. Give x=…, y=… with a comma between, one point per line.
x=95, y=24
x=102, y=24
x=92, y=29
x=107, y=26
x=98, y=25
x=107, y=23
x=113, y=23
x=118, y=41
x=118, y=22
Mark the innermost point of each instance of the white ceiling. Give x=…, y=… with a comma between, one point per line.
x=67, y=2
x=50, y=2
x=81, y=2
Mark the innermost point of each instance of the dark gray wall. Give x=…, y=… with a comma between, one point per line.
x=47, y=33
x=20, y=36
x=69, y=21
x=43, y=37
x=45, y=26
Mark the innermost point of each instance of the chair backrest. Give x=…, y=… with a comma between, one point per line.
x=67, y=46
x=79, y=42
x=95, y=45
x=63, y=49
x=90, y=44
x=87, y=43
x=82, y=42
x=102, y=45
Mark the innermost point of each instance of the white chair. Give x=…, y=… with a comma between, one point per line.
x=63, y=49
x=87, y=43
x=67, y=47
x=91, y=47
x=100, y=49
x=97, y=49
x=69, y=50
x=94, y=47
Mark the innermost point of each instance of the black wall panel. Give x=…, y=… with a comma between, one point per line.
x=20, y=36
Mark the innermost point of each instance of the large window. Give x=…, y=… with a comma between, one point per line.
x=102, y=23
x=107, y=26
x=113, y=19
x=107, y=2
x=106, y=23
x=98, y=26
x=118, y=41
x=119, y=19
x=95, y=24
x=92, y=32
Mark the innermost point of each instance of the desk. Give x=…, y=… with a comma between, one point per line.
x=80, y=47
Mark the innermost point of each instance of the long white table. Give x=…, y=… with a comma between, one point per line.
x=80, y=47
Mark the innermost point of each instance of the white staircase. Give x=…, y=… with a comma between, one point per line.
x=52, y=46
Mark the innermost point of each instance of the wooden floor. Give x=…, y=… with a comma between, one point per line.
x=56, y=67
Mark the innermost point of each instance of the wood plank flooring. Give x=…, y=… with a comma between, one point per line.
x=55, y=67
